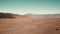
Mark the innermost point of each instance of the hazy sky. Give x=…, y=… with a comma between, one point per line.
x=30, y=6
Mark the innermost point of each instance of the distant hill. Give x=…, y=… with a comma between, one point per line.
x=6, y=15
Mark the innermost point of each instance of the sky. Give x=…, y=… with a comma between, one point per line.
x=30, y=6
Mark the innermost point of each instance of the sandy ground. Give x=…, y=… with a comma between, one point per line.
x=30, y=26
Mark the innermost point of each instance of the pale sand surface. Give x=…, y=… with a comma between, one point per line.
x=30, y=26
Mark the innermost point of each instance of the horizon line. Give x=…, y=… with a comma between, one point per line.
x=28, y=13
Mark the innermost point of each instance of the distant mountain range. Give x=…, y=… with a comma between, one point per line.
x=10, y=15
x=43, y=15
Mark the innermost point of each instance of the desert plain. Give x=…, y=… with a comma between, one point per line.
x=25, y=25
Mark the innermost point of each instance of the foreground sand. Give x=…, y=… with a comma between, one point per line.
x=30, y=26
